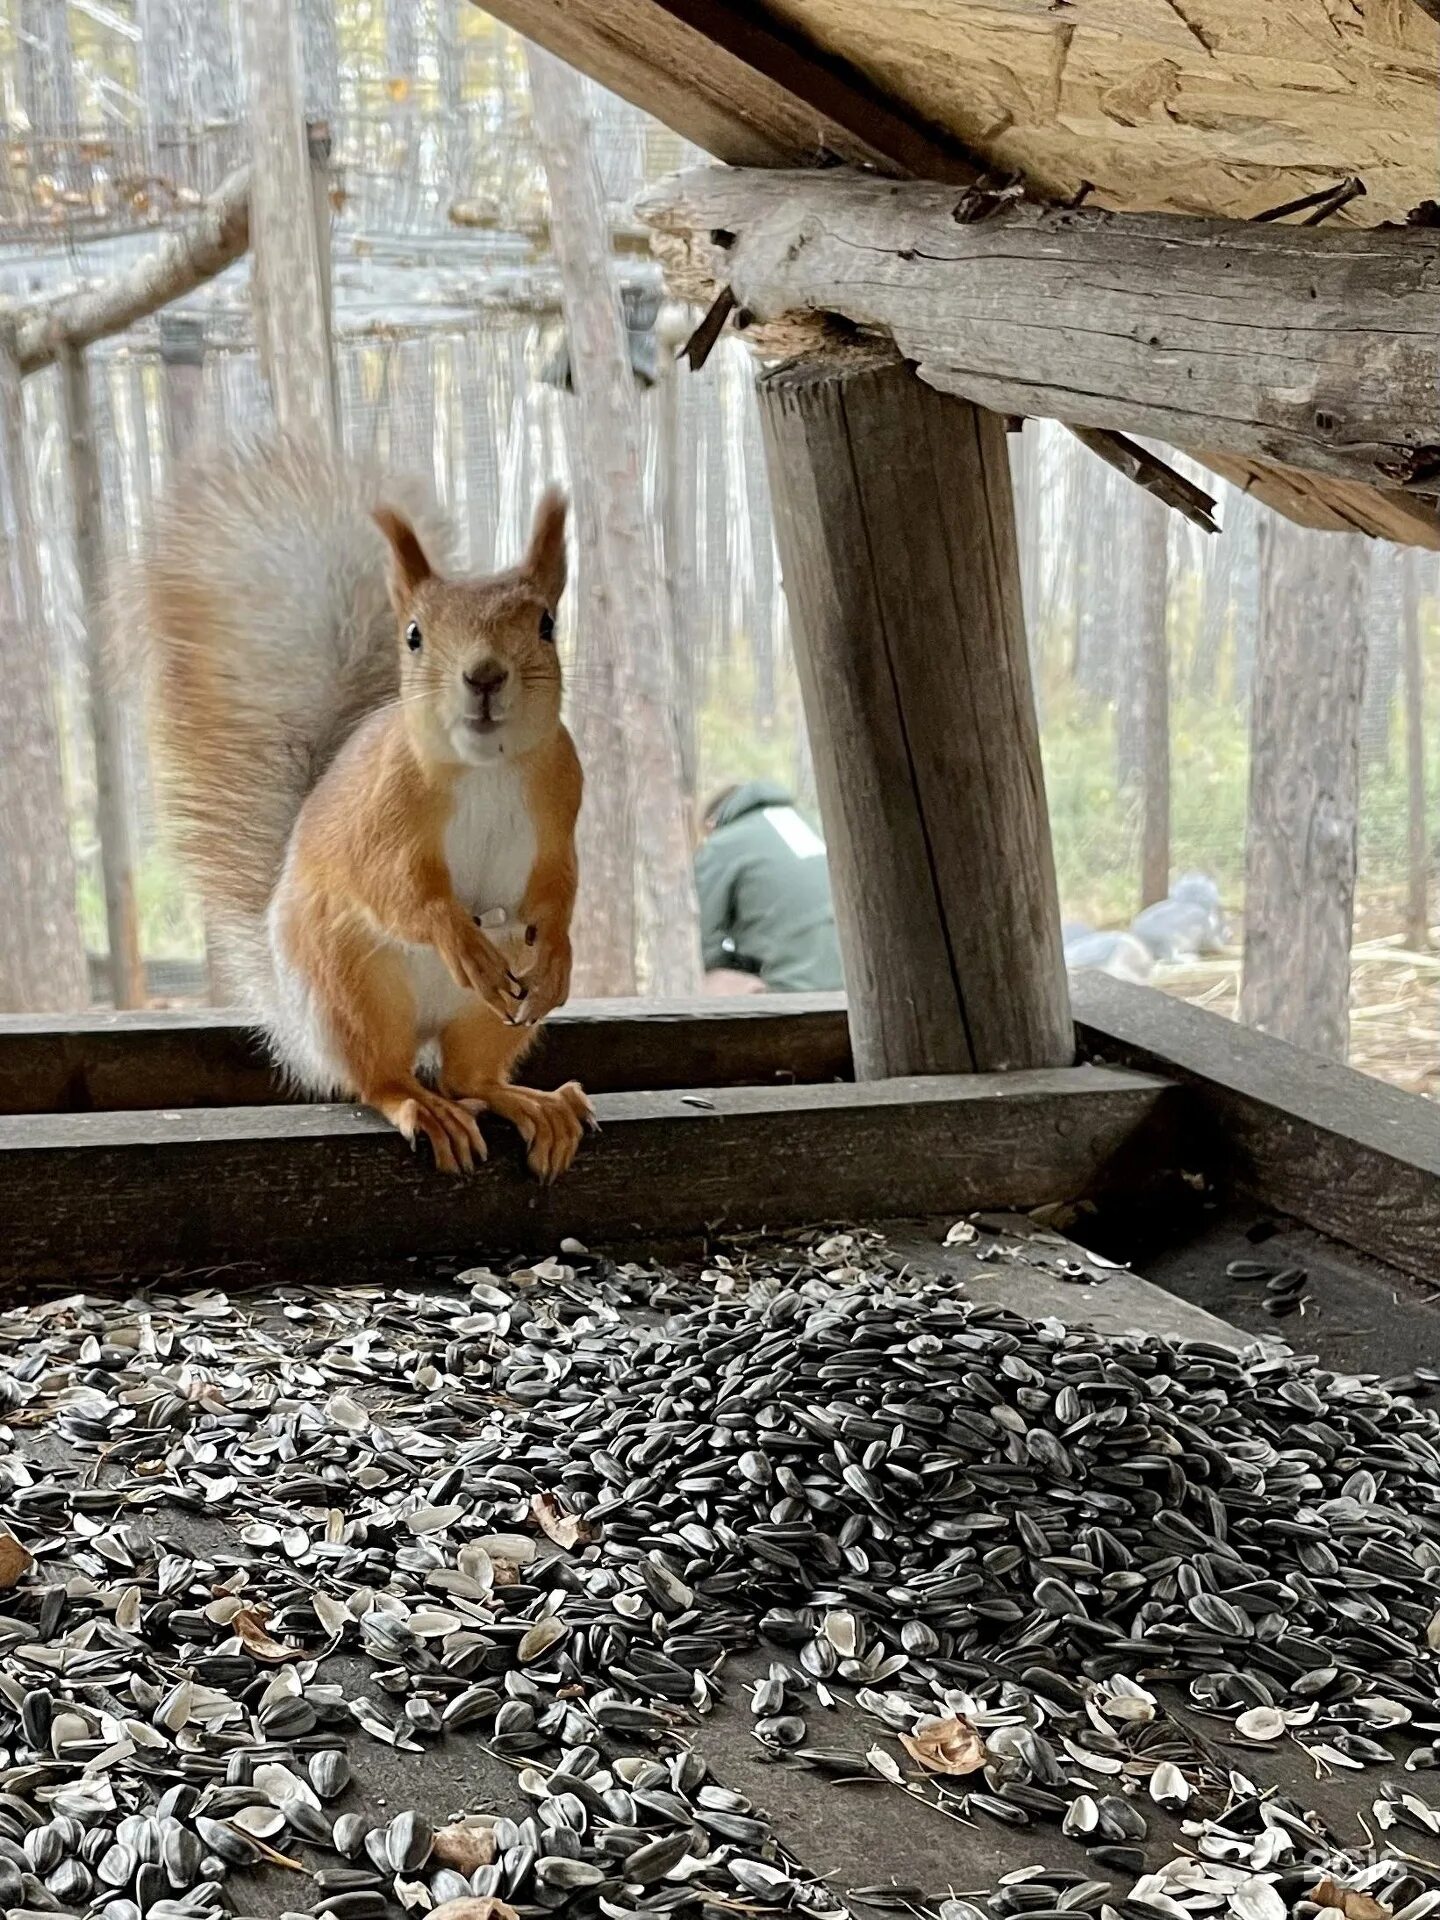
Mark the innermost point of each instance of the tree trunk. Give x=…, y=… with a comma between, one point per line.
x=1382, y=616
x=112, y=803
x=1216, y=587
x=42, y=956
x=1417, y=909
x=47, y=72
x=638, y=644
x=1153, y=664
x=289, y=229
x=1301, y=832
x=897, y=536
x=676, y=463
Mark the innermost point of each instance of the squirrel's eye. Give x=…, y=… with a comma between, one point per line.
x=412, y=636
x=547, y=626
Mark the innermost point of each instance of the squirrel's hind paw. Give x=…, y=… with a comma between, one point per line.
x=449, y=1125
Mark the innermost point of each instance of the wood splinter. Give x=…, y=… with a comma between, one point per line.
x=1151, y=474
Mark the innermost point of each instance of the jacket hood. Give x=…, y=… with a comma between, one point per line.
x=749, y=797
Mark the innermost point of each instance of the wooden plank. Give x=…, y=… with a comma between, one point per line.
x=895, y=527
x=313, y=1186
x=122, y=1062
x=1302, y=817
x=1259, y=340
x=112, y=802
x=1306, y=1136
x=738, y=83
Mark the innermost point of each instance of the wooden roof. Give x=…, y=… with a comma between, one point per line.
x=1220, y=107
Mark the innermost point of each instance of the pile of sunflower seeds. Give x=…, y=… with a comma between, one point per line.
x=1058, y=1577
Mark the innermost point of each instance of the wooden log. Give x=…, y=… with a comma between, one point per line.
x=42, y=956
x=1301, y=833
x=1417, y=909
x=897, y=538
x=1304, y=1136
x=1252, y=339
x=293, y=1186
x=290, y=285
x=218, y=235
x=112, y=802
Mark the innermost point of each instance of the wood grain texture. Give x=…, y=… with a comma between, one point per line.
x=121, y=1062
x=1330, y=505
x=112, y=799
x=1316, y=347
x=289, y=230
x=42, y=953
x=1308, y=1137
x=896, y=531
x=739, y=85
x=317, y=1187
x=1302, y=817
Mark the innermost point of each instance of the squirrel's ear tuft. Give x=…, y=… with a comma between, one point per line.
x=409, y=566
x=544, y=561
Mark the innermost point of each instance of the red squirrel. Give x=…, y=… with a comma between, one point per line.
x=363, y=759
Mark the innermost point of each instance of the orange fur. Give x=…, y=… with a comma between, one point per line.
x=463, y=749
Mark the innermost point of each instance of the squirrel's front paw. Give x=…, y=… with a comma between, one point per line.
x=478, y=965
x=548, y=978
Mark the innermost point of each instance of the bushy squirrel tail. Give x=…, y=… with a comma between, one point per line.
x=257, y=620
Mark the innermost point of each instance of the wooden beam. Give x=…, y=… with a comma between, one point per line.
x=218, y=234
x=118, y=1062
x=1256, y=340
x=1307, y=1137
x=112, y=802
x=738, y=83
x=277, y=1187
x=897, y=536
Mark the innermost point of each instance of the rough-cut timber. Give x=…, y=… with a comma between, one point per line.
x=1313, y=346
x=112, y=809
x=1308, y=1137
x=282, y=1185
x=182, y=261
x=1302, y=819
x=897, y=538
x=736, y=83
x=290, y=294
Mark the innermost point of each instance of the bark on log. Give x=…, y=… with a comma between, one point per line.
x=1302, y=832
x=42, y=956
x=897, y=538
x=612, y=471
x=1313, y=346
x=290, y=284
x=112, y=811
x=182, y=261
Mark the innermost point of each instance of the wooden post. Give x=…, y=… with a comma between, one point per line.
x=1417, y=913
x=112, y=813
x=1153, y=646
x=290, y=236
x=1301, y=832
x=42, y=956
x=897, y=539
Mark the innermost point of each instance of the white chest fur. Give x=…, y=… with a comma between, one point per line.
x=490, y=840
x=489, y=849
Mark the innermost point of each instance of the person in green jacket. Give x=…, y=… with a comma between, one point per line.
x=766, y=915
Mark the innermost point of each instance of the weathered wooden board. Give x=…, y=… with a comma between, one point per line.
x=897, y=535
x=119, y=1062
x=1317, y=347
x=1308, y=1137
x=317, y=1188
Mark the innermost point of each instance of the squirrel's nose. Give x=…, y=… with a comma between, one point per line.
x=486, y=679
